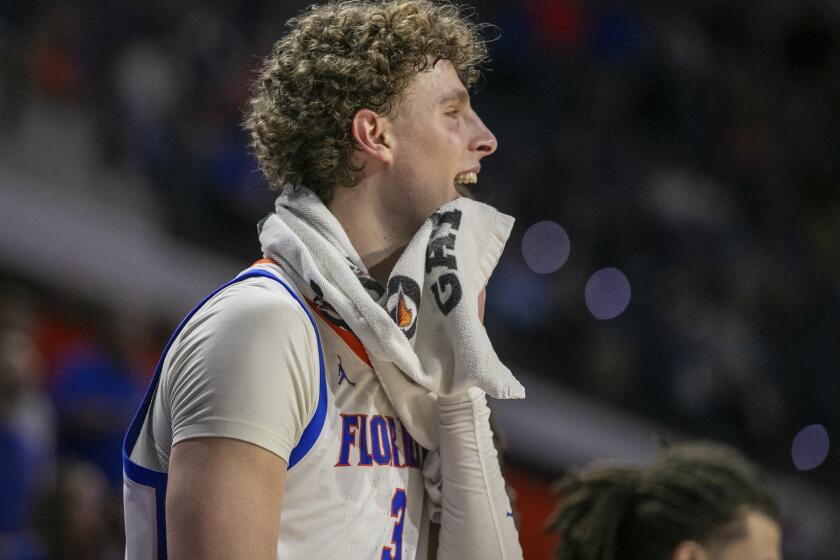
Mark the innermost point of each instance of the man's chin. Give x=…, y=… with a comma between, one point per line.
x=434, y=204
x=462, y=190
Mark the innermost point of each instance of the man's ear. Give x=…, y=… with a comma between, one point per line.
x=371, y=135
x=689, y=550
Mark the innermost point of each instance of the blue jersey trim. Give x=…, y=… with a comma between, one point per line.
x=158, y=480
x=316, y=424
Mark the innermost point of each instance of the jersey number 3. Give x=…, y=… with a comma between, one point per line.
x=394, y=552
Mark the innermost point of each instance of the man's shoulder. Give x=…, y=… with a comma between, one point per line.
x=257, y=300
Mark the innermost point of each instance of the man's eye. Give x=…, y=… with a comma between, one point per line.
x=452, y=113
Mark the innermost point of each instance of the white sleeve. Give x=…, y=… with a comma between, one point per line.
x=245, y=367
x=476, y=517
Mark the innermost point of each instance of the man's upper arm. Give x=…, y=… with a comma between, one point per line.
x=243, y=384
x=246, y=368
x=223, y=500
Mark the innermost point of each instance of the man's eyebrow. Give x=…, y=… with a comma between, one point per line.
x=454, y=95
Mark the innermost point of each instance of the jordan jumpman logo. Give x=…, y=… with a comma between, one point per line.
x=342, y=375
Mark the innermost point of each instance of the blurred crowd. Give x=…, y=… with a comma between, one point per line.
x=70, y=380
x=692, y=145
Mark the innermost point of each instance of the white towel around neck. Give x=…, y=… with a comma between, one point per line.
x=423, y=333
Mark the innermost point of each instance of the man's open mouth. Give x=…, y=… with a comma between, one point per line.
x=468, y=178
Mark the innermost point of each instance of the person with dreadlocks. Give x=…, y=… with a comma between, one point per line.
x=330, y=401
x=696, y=501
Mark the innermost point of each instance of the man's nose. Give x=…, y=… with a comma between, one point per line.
x=483, y=141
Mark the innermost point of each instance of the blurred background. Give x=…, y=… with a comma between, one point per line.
x=673, y=274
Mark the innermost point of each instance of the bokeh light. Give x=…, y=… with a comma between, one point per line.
x=545, y=247
x=607, y=293
x=810, y=447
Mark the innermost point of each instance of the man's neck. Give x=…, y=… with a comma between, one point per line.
x=371, y=228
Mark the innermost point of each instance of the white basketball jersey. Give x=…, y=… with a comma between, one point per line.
x=353, y=490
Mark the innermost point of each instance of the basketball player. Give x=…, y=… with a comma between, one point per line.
x=267, y=432
x=696, y=502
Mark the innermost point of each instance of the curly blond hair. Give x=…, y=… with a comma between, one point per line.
x=339, y=58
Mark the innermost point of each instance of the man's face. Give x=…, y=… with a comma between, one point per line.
x=436, y=136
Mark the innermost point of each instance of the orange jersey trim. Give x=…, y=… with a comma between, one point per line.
x=350, y=339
